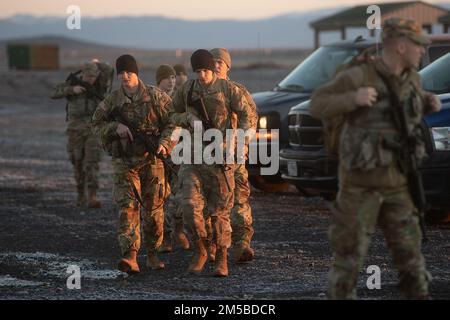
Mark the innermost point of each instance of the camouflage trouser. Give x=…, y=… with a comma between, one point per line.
x=202, y=185
x=355, y=216
x=173, y=215
x=150, y=182
x=241, y=214
x=172, y=212
x=84, y=152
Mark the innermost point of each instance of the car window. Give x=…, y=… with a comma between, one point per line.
x=436, y=76
x=317, y=69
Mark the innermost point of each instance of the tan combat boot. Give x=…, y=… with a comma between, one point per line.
x=180, y=237
x=199, y=259
x=212, y=251
x=243, y=253
x=221, y=262
x=153, y=261
x=93, y=202
x=129, y=263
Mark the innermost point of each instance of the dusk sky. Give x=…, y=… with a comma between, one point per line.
x=186, y=9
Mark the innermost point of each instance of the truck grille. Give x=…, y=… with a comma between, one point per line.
x=304, y=131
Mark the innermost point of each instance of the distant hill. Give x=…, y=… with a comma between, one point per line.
x=155, y=32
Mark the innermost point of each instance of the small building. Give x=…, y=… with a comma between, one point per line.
x=445, y=20
x=33, y=56
x=356, y=17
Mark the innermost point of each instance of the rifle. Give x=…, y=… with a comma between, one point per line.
x=149, y=143
x=406, y=150
x=90, y=89
x=199, y=105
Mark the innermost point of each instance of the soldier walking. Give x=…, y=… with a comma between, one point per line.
x=83, y=145
x=204, y=184
x=173, y=223
x=241, y=214
x=373, y=187
x=139, y=178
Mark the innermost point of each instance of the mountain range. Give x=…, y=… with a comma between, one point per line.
x=157, y=32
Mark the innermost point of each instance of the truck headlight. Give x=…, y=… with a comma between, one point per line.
x=263, y=123
x=441, y=138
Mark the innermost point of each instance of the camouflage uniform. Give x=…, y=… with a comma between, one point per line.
x=202, y=184
x=241, y=214
x=173, y=217
x=372, y=188
x=83, y=146
x=148, y=110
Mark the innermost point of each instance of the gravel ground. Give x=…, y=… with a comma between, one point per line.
x=42, y=233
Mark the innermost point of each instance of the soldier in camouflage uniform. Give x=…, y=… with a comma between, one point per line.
x=372, y=187
x=173, y=223
x=82, y=145
x=203, y=184
x=139, y=179
x=241, y=214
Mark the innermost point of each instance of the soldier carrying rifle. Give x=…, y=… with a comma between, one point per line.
x=208, y=101
x=133, y=125
x=374, y=177
x=83, y=90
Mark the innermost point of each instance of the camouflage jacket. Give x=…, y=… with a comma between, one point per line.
x=365, y=129
x=148, y=110
x=80, y=107
x=222, y=98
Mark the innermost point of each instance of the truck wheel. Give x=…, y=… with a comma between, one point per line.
x=266, y=185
